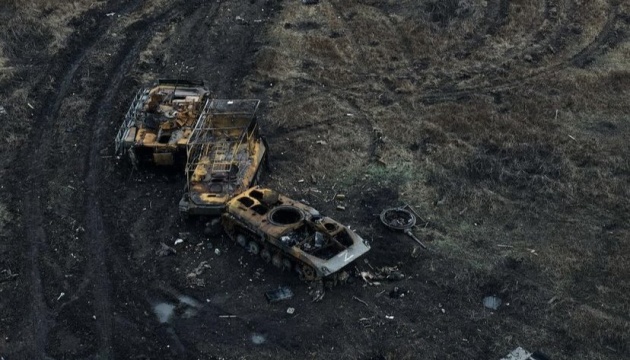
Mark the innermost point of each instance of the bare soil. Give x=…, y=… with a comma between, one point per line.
x=504, y=123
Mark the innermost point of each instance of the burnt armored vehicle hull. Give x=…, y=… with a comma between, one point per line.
x=159, y=122
x=291, y=235
x=225, y=155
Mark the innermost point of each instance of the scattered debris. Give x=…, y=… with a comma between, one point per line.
x=258, y=339
x=359, y=300
x=318, y=292
x=227, y=316
x=192, y=277
x=340, y=197
x=398, y=292
x=8, y=275
x=217, y=251
x=401, y=219
x=31, y=106
x=165, y=250
x=390, y=273
x=492, y=302
x=179, y=241
x=110, y=14
x=60, y=296
x=3, y=111
x=321, y=142
x=290, y=311
x=200, y=268
x=341, y=208
x=389, y=317
x=279, y=294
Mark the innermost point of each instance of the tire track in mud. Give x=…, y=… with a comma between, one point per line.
x=41, y=317
x=96, y=233
x=606, y=35
x=495, y=17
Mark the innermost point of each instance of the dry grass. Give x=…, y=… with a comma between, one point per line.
x=539, y=172
x=41, y=23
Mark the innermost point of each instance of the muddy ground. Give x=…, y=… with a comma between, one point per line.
x=504, y=123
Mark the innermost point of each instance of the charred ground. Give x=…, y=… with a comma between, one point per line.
x=504, y=123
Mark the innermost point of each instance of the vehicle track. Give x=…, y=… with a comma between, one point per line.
x=41, y=318
x=607, y=35
x=112, y=272
x=495, y=17
x=98, y=238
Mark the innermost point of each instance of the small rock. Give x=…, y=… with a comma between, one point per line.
x=342, y=208
x=290, y=311
x=217, y=251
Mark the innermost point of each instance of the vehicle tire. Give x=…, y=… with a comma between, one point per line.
x=265, y=255
x=253, y=247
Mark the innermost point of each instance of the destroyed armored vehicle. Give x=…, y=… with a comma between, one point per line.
x=159, y=122
x=291, y=235
x=225, y=154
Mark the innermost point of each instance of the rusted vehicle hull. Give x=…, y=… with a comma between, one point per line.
x=159, y=122
x=225, y=156
x=291, y=235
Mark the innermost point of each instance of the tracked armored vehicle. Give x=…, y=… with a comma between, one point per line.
x=159, y=122
x=225, y=154
x=291, y=235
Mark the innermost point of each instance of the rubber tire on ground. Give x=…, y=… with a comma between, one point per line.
x=265, y=255
x=253, y=247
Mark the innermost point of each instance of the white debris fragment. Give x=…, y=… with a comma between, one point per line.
x=110, y=14
x=179, y=241
x=3, y=111
x=60, y=296
x=290, y=311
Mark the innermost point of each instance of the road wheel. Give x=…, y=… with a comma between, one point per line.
x=265, y=255
x=253, y=247
x=241, y=240
x=308, y=273
x=286, y=265
x=276, y=260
